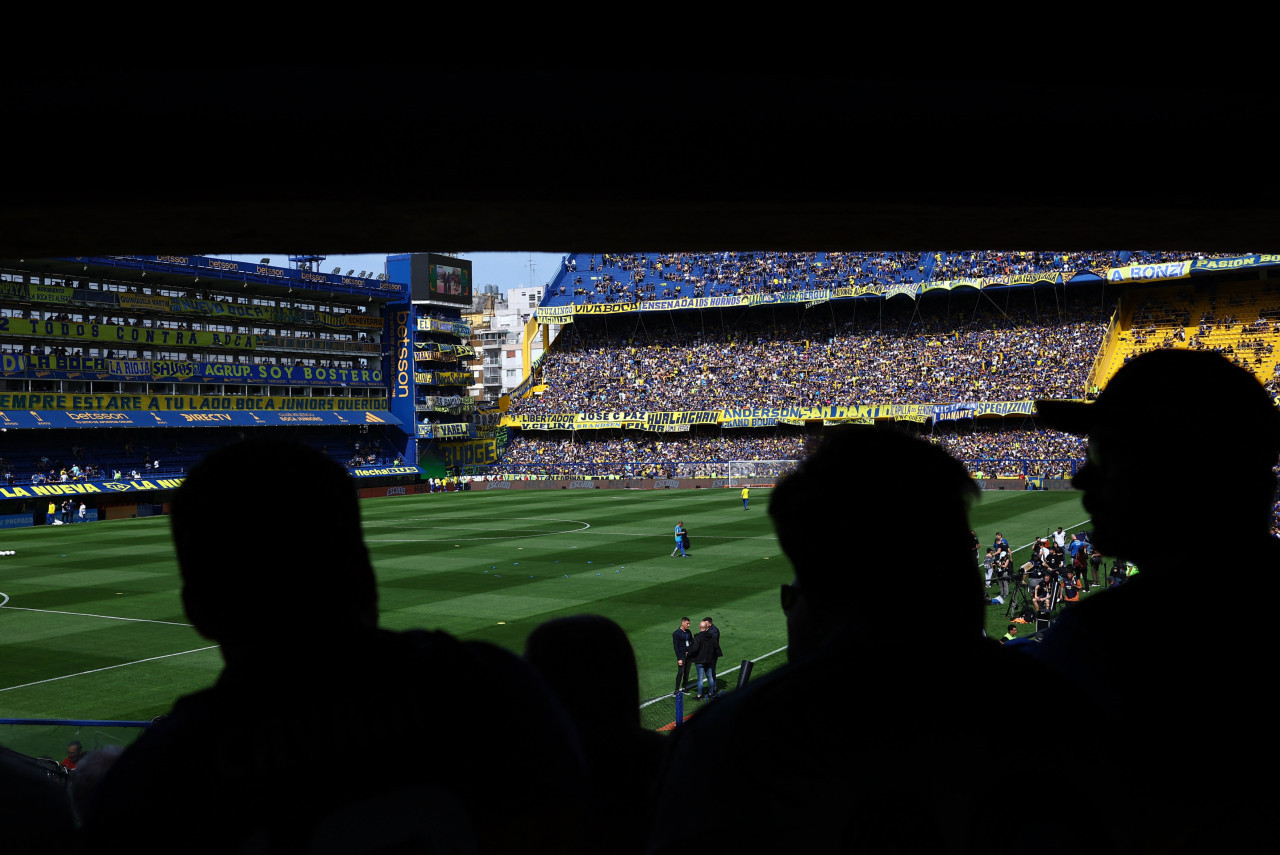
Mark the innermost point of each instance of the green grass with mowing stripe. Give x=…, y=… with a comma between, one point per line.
x=486, y=565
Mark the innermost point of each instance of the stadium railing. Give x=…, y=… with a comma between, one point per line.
x=50, y=737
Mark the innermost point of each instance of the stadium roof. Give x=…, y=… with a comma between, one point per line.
x=238, y=159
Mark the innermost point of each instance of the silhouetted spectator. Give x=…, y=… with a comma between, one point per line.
x=869, y=740
x=35, y=813
x=623, y=757
x=322, y=728
x=1198, y=718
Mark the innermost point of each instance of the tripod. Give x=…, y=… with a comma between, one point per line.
x=1019, y=597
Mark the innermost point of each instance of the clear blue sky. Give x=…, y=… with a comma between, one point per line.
x=505, y=269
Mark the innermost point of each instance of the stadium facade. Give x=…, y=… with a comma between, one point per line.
x=119, y=372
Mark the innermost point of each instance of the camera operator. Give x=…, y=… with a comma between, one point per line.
x=1033, y=573
x=1004, y=572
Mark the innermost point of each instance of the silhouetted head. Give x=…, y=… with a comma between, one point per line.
x=588, y=662
x=1179, y=441
x=864, y=488
x=269, y=544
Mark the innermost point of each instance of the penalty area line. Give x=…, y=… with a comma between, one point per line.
x=109, y=668
x=87, y=614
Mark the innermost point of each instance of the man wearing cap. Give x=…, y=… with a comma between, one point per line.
x=1179, y=441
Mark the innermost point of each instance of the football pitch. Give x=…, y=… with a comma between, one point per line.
x=92, y=626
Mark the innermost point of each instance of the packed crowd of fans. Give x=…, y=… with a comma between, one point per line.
x=992, y=446
x=637, y=454
x=985, y=445
x=962, y=350
x=630, y=277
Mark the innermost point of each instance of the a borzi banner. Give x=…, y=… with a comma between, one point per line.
x=1155, y=271
x=23, y=366
x=748, y=417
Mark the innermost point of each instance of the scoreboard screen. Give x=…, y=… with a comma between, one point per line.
x=440, y=279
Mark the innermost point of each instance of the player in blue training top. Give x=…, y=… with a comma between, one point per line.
x=679, y=541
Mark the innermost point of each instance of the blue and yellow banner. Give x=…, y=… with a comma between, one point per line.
x=565, y=313
x=443, y=378
x=108, y=335
x=173, y=403
x=1149, y=272
x=462, y=329
x=24, y=366
x=34, y=292
x=453, y=430
x=735, y=417
x=480, y=452
x=90, y=488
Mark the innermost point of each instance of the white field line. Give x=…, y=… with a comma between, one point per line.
x=109, y=668
x=1067, y=530
x=87, y=614
x=668, y=536
x=650, y=703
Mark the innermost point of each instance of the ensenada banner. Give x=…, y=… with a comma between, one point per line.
x=770, y=416
x=113, y=334
x=24, y=366
x=165, y=403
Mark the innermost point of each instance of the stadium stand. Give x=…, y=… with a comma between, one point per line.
x=119, y=373
x=776, y=344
